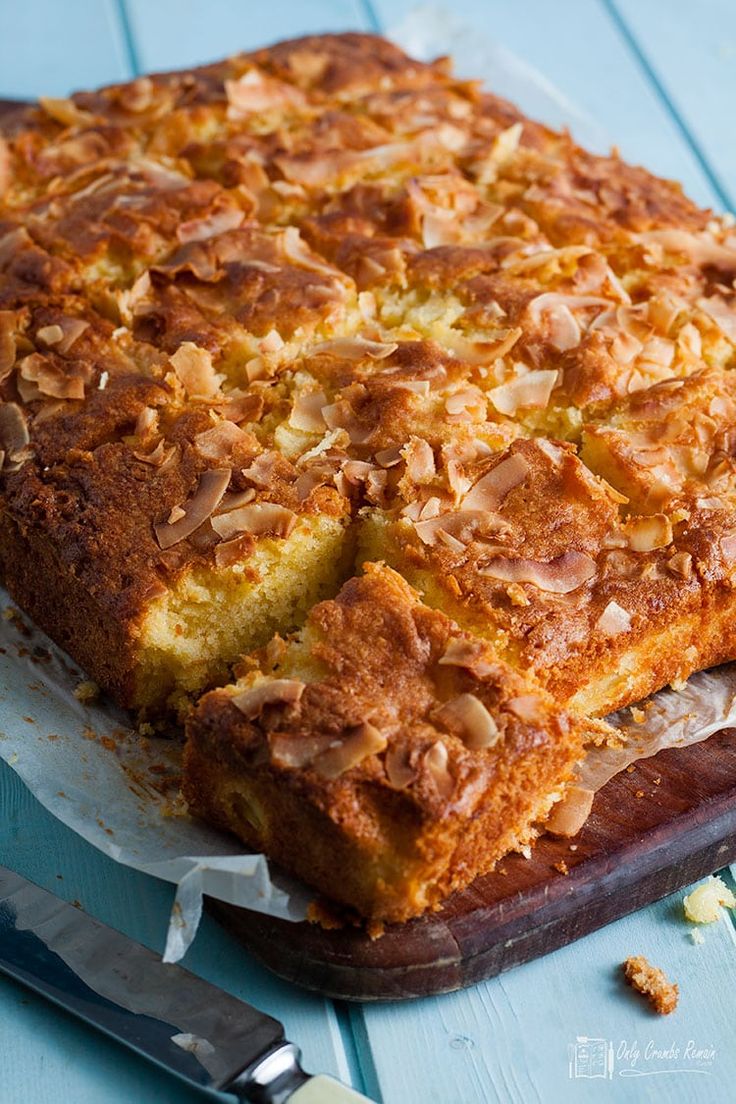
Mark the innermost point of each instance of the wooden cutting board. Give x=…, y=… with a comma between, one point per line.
x=655, y=828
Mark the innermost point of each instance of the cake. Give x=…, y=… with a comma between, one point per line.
x=379, y=433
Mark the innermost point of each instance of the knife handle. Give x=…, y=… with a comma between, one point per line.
x=326, y=1090
x=278, y=1078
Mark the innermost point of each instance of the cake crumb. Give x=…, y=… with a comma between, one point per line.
x=652, y=983
x=703, y=905
x=638, y=715
x=562, y=867
x=87, y=691
x=696, y=935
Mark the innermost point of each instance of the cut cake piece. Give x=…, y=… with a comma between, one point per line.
x=384, y=755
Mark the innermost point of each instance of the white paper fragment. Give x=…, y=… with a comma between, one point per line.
x=119, y=792
x=430, y=31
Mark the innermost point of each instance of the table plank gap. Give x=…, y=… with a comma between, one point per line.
x=692, y=51
x=669, y=104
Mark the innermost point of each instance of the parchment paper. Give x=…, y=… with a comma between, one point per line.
x=86, y=766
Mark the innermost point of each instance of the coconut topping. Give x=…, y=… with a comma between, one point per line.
x=258, y=519
x=560, y=575
x=570, y=813
x=282, y=691
x=436, y=763
x=205, y=500
x=468, y=654
x=491, y=489
x=614, y=619
x=345, y=754
x=530, y=390
x=194, y=368
x=7, y=343
x=14, y=437
x=467, y=717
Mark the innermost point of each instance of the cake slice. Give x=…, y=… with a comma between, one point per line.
x=383, y=755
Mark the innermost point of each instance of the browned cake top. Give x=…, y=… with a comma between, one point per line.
x=335, y=277
x=384, y=695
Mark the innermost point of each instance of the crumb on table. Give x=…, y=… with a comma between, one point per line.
x=87, y=691
x=703, y=905
x=652, y=983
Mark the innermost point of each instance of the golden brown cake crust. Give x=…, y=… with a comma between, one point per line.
x=389, y=831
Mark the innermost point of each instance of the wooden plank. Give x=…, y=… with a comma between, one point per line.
x=580, y=49
x=692, y=54
x=174, y=33
x=668, y=821
x=52, y=49
x=46, y=1056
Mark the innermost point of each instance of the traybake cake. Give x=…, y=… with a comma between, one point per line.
x=396, y=422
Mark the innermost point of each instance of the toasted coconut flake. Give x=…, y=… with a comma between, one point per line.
x=481, y=352
x=466, y=400
x=525, y=707
x=50, y=335
x=146, y=422
x=7, y=343
x=420, y=466
x=297, y=251
x=233, y=499
x=467, y=654
x=49, y=379
x=530, y=390
x=491, y=489
x=282, y=691
x=436, y=763
x=73, y=328
x=340, y=415
x=681, y=564
x=240, y=408
x=157, y=457
x=644, y=534
x=570, y=813
x=467, y=717
x=255, y=93
x=259, y=519
x=306, y=413
x=398, y=766
x=561, y=575
x=552, y=301
x=212, y=486
x=177, y=513
x=220, y=442
x=722, y=313
x=355, y=348
x=218, y=222
x=363, y=741
x=614, y=620
x=14, y=436
x=701, y=249
x=194, y=368
x=261, y=471
x=65, y=111
x=389, y=457
x=296, y=750
x=233, y=551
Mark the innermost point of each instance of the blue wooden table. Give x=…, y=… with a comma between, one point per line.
x=660, y=77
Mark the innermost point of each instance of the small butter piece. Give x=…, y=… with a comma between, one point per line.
x=703, y=905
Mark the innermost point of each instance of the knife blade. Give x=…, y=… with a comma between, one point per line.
x=162, y=1011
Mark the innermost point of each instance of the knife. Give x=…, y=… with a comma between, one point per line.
x=170, y=1016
